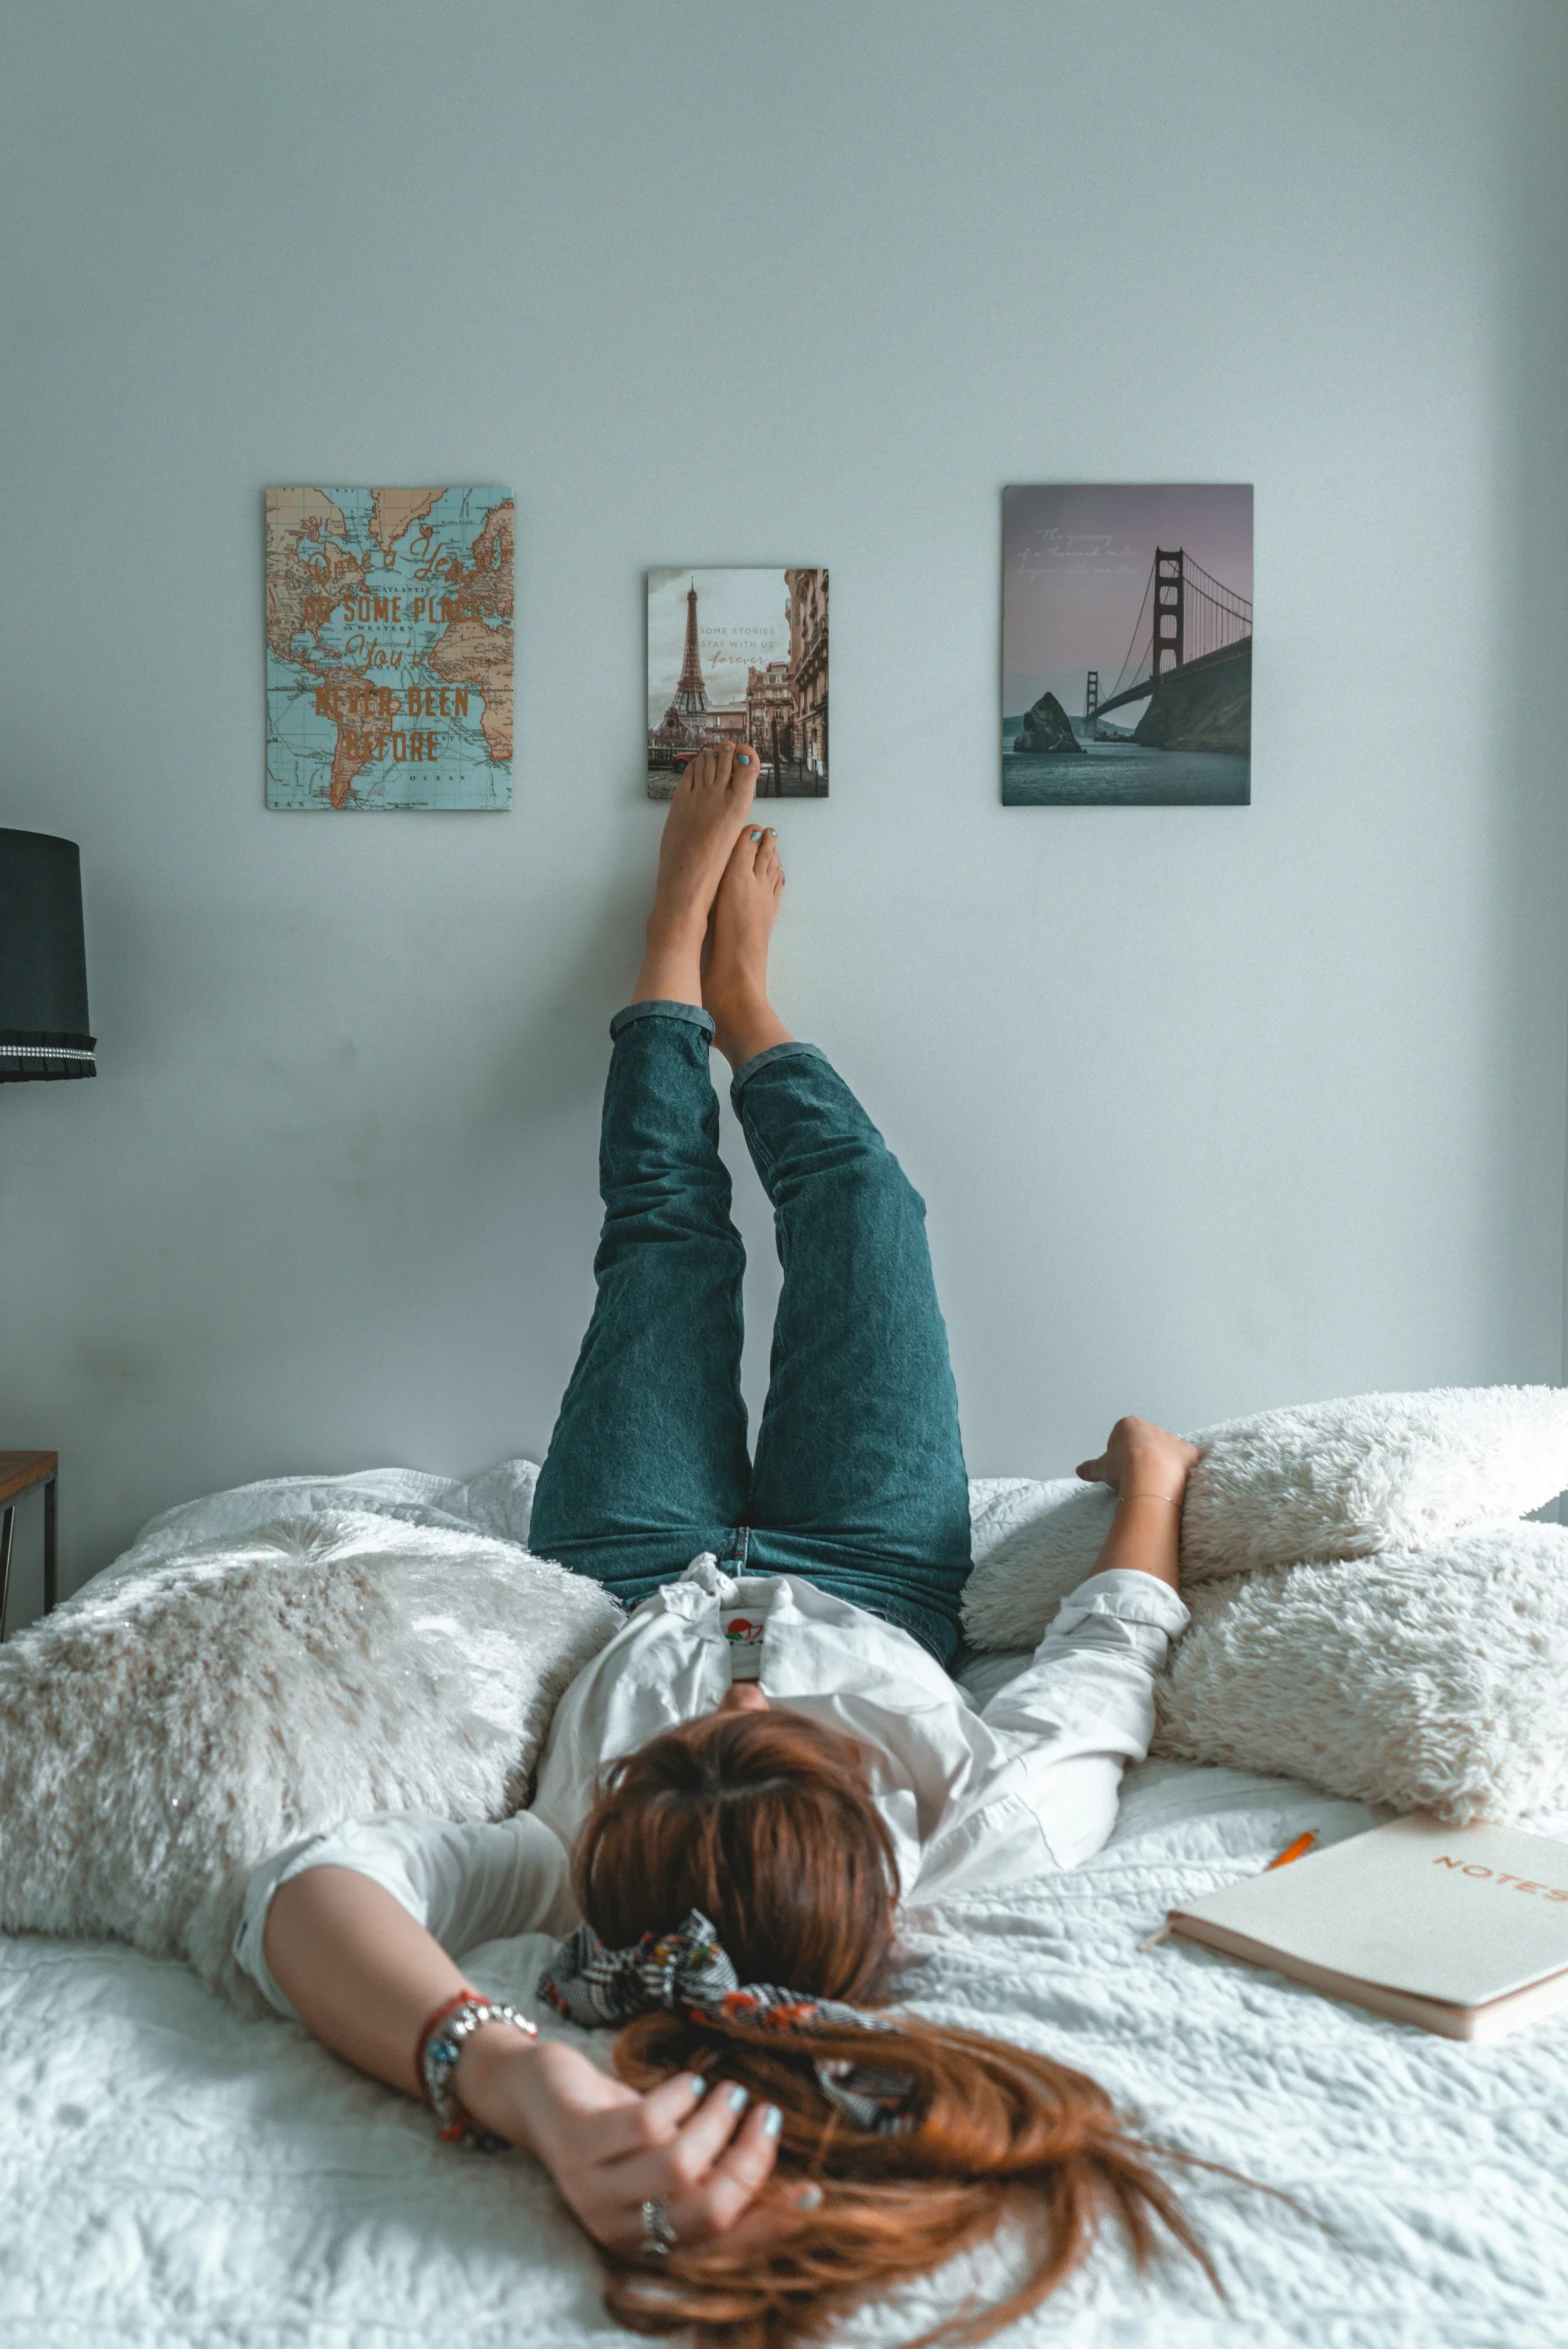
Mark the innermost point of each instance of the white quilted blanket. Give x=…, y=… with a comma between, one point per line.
x=170, y=2174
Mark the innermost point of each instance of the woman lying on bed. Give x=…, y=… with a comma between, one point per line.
x=739, y=1791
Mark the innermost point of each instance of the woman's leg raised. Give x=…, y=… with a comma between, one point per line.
x=647, y=1464
x=859, y=1480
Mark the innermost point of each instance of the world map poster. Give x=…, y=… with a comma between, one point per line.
x=389, y=648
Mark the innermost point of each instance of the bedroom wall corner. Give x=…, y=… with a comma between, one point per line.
x=1542, y=463
x=1534, y=465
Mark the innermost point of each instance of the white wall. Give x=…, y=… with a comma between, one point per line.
x=1214, y=1108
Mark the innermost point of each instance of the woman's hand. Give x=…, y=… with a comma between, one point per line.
x=1142, y=1458
x=1147, y=1467
x=364, y=1975
x=610, y=2150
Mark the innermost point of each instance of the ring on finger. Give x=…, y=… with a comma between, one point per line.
x=658, y=2229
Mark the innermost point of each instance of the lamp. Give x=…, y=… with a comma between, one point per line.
x=43, y=961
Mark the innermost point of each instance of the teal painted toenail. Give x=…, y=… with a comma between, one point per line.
x=744, y=759
x=756, y=835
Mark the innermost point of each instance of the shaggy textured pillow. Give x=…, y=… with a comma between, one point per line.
x=162, y=1732
x=1429, y=1679
x=1357, y=1621
x=1329, y=1480
x=1375, y=1472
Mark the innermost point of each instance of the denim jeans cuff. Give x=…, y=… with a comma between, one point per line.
x=748, y=1068
x=659, y=1009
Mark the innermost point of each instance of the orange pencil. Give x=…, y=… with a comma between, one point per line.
x=1293, y=1851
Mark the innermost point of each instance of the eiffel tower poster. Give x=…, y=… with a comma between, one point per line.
x=739, y=656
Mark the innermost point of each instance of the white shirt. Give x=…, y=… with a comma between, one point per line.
x=1028, y=1784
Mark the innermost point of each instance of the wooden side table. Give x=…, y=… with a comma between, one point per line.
x=19, y=1472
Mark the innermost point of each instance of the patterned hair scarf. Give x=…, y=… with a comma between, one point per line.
x=689, y=1972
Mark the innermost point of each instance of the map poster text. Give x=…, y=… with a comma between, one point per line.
x=389, y=648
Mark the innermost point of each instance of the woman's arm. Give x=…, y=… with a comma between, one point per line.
x=1084, y=1707
x=365, y=1976
x=360, y=1971
x=1147, y=1468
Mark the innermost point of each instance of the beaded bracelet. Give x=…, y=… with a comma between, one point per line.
x=436, y=2055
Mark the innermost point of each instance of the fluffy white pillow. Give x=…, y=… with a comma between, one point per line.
x=1432, y=1679
x=161, y=1733
x=1326, y=1480
x=1374, y=1472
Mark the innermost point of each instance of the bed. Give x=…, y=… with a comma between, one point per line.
x=176, y=2174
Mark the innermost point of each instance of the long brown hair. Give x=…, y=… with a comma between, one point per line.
x=765, y=1823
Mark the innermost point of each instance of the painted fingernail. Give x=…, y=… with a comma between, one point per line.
x=809, y=2198
x=696, y=2083
x=739, y=2099
x=756, y=835
x=772, y=2121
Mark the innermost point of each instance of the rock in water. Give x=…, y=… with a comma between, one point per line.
x=1048, y=727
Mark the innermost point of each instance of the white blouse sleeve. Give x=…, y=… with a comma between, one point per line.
x=1058, y=1737
x=465, y=1883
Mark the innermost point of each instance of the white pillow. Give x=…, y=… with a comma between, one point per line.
x=1031, y=1544
x=161, y=1734
x=1325, y=1480
x=1431, y=1679
x=1375, y=1472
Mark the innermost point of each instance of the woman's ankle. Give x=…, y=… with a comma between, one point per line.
x=672, y=963
x=744, y=1025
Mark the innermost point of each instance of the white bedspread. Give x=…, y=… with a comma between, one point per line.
x=171, y=2174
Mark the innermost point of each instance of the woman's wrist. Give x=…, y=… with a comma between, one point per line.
x=493, y=2081
x=1154, y=1471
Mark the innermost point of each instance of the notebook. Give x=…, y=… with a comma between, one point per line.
x=1463, y=1930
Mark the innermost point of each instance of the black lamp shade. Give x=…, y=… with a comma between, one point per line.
x=43, y=962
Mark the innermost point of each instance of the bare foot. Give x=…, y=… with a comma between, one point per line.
x=710, y=805
x=735, y=987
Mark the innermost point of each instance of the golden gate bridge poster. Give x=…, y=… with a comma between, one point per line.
x=1127, y=645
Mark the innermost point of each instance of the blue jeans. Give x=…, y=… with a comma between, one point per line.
x=858, y=1482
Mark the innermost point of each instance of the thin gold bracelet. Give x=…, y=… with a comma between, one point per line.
x=1173, y=1499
